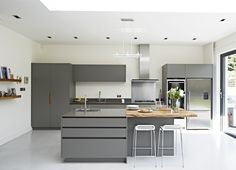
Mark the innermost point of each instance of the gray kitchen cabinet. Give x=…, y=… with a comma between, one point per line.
x=199, y=70
x=40, y=95
x=93, y=122
x=98, y=132
x=184, y=71
x=98, y=106
x=173, y=70
x=99, y=73
x=52, y=89
x=94, y=138
x=94, y=148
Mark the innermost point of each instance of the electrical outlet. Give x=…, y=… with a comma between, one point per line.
x=22, y=89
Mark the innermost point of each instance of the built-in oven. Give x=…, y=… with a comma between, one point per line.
x=173, y=83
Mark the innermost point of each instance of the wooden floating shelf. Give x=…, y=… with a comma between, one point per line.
x=10, y=97
x=10, y=80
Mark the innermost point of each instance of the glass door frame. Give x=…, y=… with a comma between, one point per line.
x=222, y=86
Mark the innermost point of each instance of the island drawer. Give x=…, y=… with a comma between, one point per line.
x=94, y=148
x=94, y=122
x=94, y=132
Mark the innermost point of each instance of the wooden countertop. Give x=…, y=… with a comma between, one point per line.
x=161, y=113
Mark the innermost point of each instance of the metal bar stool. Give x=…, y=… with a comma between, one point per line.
x=147, y=128
x=162, y=130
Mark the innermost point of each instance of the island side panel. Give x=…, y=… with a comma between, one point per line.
x=99, y=136
x=144, y=137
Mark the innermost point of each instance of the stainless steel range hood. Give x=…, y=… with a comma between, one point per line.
x=144, y=61
x=144, y=88
x=144, y=64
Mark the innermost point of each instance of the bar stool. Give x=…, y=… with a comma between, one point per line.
x=146, y=128
x=162, y=130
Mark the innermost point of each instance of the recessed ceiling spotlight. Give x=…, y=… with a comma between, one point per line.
x=16, y=16
x=135, y=38
x=222, y=20
x=75, y=37
x=165, y=38
x=49, y=37
x=107, y=38
x=194, y=39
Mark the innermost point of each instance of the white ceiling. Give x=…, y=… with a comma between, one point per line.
x=93, y=27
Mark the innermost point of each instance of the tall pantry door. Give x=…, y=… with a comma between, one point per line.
x=40, y=95
x=60, y=82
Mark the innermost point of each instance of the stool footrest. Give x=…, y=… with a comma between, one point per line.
x=144, y=156
x=166, y=148
x=143, y=148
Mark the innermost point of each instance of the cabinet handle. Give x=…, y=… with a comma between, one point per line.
x=189, y=96
x=49, y=98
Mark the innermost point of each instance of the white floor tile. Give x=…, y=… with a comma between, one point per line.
x=40, y=150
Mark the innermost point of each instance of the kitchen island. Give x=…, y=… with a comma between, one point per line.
x=106, y=134
x=157, y=118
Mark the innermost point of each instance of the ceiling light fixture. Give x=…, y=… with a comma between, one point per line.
x=16, y=16
x=222, y=20
x=192, y=6
x=127, y=51
x=127, y=19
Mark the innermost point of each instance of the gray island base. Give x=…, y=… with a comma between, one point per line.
x=105, y=135
x=144, y=139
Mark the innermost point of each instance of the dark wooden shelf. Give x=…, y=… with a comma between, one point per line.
x=10, y=80
x=10, y=97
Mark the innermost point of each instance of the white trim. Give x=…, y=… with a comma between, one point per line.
x=222, y=46
x=15, y=135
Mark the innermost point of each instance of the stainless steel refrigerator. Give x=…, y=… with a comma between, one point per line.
x=199, y=100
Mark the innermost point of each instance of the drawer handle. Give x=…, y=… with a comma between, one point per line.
x=49, y=98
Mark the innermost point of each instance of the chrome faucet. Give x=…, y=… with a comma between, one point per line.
x=99, y=96
x=85, y=102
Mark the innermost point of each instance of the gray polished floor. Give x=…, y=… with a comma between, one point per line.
x=40, y=150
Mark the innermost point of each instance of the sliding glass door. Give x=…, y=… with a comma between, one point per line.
x=228, y=92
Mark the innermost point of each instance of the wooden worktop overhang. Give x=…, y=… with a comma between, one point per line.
x=162, y=114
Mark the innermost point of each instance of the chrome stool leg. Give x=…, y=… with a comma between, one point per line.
x=158, y=144
x=133, y=143
x=162, y=146
x=182, y=152
x=155, y=151
x=175, y=143
x=151, y=143
x=135, y=146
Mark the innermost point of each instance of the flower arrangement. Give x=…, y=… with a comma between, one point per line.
x=175, y=94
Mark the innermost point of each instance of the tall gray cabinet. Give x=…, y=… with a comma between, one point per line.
x=52, y=90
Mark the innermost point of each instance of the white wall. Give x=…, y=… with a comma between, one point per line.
x=102, y=54
x=15, y=115
x=173, y=54
x=222, y=46
x=208, y=51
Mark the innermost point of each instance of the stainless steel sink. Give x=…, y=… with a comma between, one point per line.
x=87, y=110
